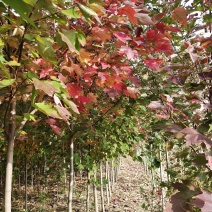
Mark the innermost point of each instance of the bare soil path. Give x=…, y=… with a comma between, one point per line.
x=127, y=192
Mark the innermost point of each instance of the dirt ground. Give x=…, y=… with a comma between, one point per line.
x=126, y=194
x=134, y=190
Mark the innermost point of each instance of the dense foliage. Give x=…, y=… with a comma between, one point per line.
x=110, y=77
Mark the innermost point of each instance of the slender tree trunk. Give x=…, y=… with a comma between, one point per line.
x=10, y=150
x=64, y=167
x=161, y=178
x=71, y=179
x=45, y=173
x=26, y=175
x=95, y=194
x=32, y=178
x=117, y=170
x=88, y=194
x=1, y=182
x=112, y=174
x=19, y=182
x=167, y=163
x=108, y=179
x=107, y=187
x=102, y=188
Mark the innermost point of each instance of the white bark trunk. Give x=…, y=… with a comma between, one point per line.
x=71, y=180
x=10, y=150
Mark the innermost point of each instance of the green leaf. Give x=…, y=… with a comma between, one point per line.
x=81, y=37
x=29, y=117
x=13, y=63
x=6, y=82
x=32, y=75
x=31, y=2
x=207, y=18
x=45, y=49
x=87, y=12
x=3, y=68
x=96, y=2
x=30, y=37
x=47, y=109
x=210, y=129
x=1, y=44
x=200, y=159
x=46, y=86
x=70, y=104
x=71, y=13
x=34, y=95
x=21, y=8
x=70, y=39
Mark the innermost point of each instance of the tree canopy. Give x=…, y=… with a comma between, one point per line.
x=113, y=76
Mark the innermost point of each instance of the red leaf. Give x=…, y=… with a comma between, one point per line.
x=53, y=124
x=205, y=75
x=92, y=97
x=135, y=81
x=138, y=31
x=45, y=86
x=74, y=90
x=154, y=105
x=153, y=36
x=130, y=12
x=177, y=203
x=129, y=52
x=204, y=201
x=112, y=93
x=40, y=62
x=102, y=33
x=119, y=86
x=105, y=65
x=164, y=46
x=162, y=28
x=154, y=63
x=51, y=121
x=173, y=29
x=87, y=78
x=83, y=100
x=194, y=137
x=144, y=19
x=190, y=50
x=162, y=116
x=180, y=14
x=122, y=36
x=103, y=75
x=45, y=72
x=131, y=92
x=157, y=18
x=64, y=113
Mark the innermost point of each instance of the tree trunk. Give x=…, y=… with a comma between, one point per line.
x=32, y=178
x=167, y=163
x=71, y=180
x=108, y=179
x=26, y=175
x=19, y=182
x=107, y=187
x=10, y=150
x=88, y=194
x=102, y=186
x=95, y=194
x=161, y=178
x=64, y=167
